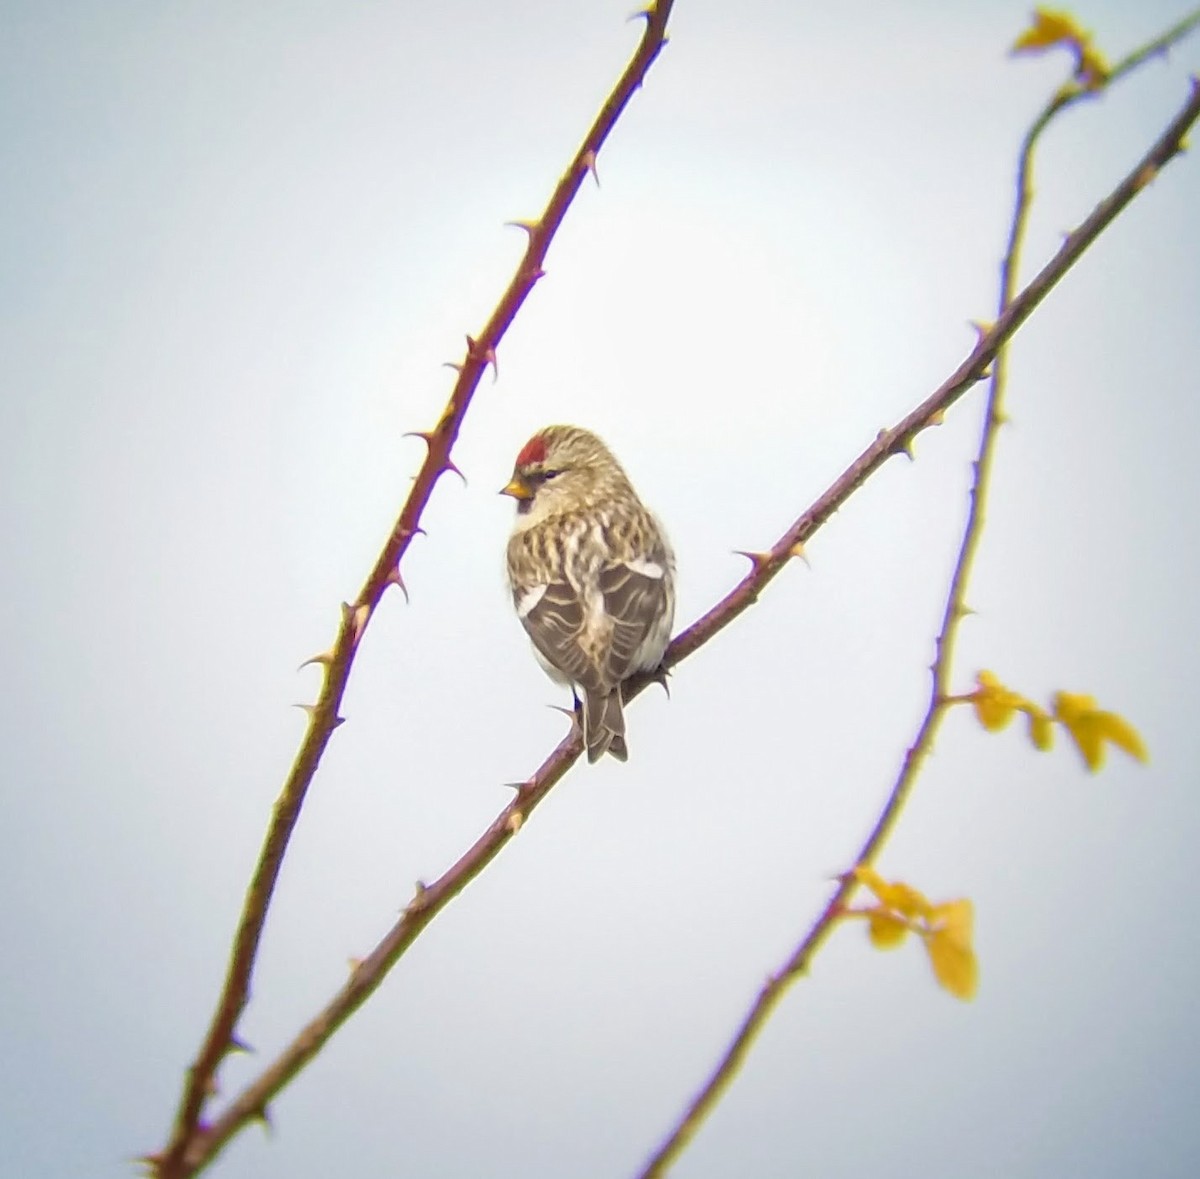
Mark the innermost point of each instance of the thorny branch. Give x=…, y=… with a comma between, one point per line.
x=192, y=1143
x=797, y=964
x=432, y=898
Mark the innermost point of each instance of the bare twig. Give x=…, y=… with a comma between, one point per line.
x=431, y=899
x=192, y=1144
x=1168, y=145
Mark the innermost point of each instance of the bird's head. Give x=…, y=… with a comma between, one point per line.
x=562, y=468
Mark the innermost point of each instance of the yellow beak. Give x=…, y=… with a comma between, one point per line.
x=517, y=488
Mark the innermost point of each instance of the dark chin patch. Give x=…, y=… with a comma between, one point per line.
x=523, y=505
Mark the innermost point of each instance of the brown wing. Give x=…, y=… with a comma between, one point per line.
x=555, y=624
x=600, y=651
x=636, y=603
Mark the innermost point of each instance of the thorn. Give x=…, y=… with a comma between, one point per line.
x=324, y=660
x=938, y=418
x=394, y=578
x=641, y=14
x=1000, y=418
x=982, y=328
x=354, y=619
x=475, y=352
x=963, y=610
x=416, y=530
x=338, y=721
x=152, y=1163
x=589, y=163
x=905, y=447
x=452, y=364
x=758, y=560
x=514, y=821
x=354, y=964
x=530, y=227
x=797, y=550
x=659, y=676
x=418, y=901
x=576, y=718
x=537, y=275
x=263, y=1115
x=448, y=465
x=426, y=436
x=309, y=710
x=237, y=1044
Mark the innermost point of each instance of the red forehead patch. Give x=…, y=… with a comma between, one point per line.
x=534, y=451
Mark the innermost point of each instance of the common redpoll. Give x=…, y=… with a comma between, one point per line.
x=592, y=575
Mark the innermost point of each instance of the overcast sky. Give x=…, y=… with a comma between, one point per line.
x=238, y=241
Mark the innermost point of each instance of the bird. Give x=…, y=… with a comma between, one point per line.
x=592, y=575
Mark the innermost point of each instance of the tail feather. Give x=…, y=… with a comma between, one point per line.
x=604, y=725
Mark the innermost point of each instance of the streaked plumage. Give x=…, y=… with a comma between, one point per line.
x=592, y=575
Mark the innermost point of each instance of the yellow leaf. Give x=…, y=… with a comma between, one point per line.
x=868, y=877
x=949, y=943
x=994, y=704
x=1122, y=734
x=1091, y=68
x=956, y=919
x=1049, y=28
x=1090, y=728
x=886, y=930
x=954, y=965
x=1041, y=729
x=900, y=898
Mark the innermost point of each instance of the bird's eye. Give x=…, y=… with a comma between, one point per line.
x=546, y=475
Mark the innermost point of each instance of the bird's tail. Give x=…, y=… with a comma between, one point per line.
x=604, y=725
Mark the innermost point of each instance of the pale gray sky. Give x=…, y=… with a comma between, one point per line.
x=239, y=240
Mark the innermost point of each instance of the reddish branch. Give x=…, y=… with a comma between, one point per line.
x=1169, y=145
x=192, y=1143
x=368, y=974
